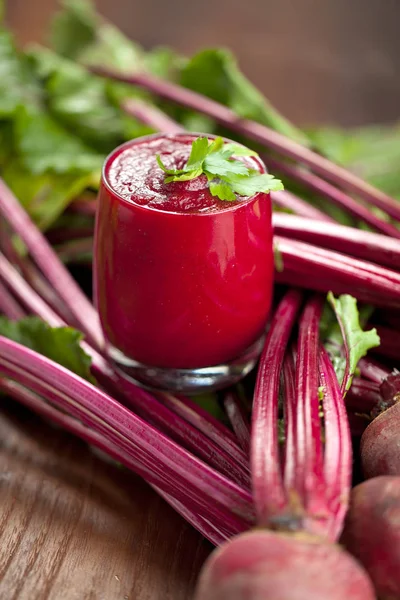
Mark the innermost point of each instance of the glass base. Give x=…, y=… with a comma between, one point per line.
x=188, y=381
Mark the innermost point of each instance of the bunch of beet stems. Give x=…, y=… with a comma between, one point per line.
x=300, y=490
x=215, y=494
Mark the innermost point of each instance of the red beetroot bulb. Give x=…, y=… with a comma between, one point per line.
x=265, y=565
x=372, y=532
x=380, y=444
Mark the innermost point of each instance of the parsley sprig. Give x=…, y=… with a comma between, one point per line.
x=227, y=176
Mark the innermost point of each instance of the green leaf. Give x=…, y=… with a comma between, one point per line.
x=199, y=151
x=217, y=145
x=18, y=87
x=226, y=175
x=218, y=163
x=254, y=183
x=44, y=145
x=61, y=344
x=356, y=341
x=166, y=170
x=372, y=152
x=79, y=101
x=222, y=190
x=215, y=73
x=195, y=122
x=80, y=34
x=209, y=402
x=165, y=63
x=45, y=196
x=113, y=49
x=186, y=176
x=239, y=150
x=74, y=28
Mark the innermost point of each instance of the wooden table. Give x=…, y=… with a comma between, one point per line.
x=73, y=527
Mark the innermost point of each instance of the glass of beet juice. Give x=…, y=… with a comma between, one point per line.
x=183, y=280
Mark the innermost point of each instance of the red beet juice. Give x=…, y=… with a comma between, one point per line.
x=183, y=280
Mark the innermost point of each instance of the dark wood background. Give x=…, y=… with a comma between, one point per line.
x=71, y=526
x=334, y=61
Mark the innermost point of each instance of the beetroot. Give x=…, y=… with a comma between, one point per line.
x=380, y=444
x=372, y=532
x=265, y=565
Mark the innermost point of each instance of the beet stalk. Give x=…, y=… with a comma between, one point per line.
x=63, y=283
x=336, y=196
x=372, y=247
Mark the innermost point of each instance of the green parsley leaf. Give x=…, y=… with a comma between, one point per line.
x=199, y=151
x=226, y=175
x=61, y=344
x=222, y=190
x=356, y=341
x=216, y=145
x=238, y=150
x=186, y=176
x=219, y=164
x=254, y=183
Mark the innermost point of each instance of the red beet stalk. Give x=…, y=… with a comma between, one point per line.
x=62, y=282
x=365, y=245
x=187, y=475
x=336, y=196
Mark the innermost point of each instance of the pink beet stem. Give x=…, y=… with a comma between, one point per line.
x=270, y=496
x=81, y=399
x=52, y=268
x=372, y=370
x=363, y=396
x=238, y=420
x=338, y=450
x=287, y=200
x=151, y=115
x=336, y=196
x=9, y=306
x=372, y=247
x=305, y=466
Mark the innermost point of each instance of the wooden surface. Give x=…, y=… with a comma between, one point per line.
x=75, y=528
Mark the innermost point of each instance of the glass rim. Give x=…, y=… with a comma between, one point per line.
x=105, y=181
